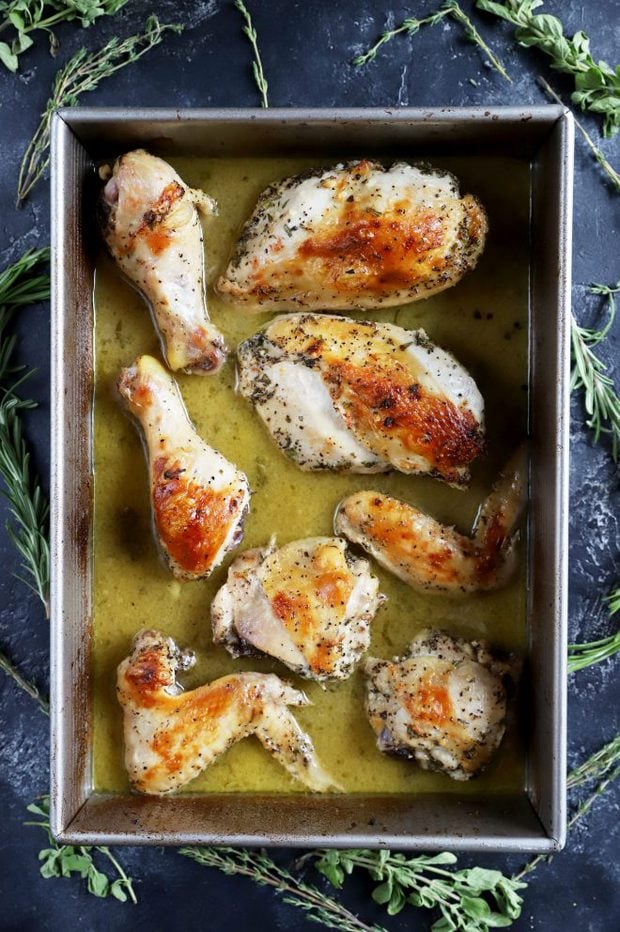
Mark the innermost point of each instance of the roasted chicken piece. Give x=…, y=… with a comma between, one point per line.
x=309, y=604
x=355, y=236
x=442, y=704
x=151, y=225
x=363, y=397
x=430, y=556
x=171, y=736
x=199, y=499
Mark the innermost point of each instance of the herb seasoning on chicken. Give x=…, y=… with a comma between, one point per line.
x=443, y=704
x=364, y=397
x=309, y=603
x=199, y=499
x=355, y=236
x=171, y=736
x=151, y=225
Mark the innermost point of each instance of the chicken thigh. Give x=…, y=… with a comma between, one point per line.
x=199, y=499
x=443, y=704
x=359, y=396
x=171, y=736
x=430, y=556
x=309, y=604
x=151, y=225
x=355, y=236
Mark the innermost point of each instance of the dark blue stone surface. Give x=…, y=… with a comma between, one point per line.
x=307, y=48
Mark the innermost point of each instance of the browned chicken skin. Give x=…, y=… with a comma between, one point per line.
x=171, y=735
x=199, y=499
x=151, y=225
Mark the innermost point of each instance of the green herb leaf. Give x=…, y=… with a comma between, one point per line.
x=257, y=65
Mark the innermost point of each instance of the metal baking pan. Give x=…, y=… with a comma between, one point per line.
x=533, y=819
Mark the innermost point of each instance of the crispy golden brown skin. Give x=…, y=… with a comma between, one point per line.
x=171, y=735
x=430, y=556
x=361, y=396
x=355, y=236
x=150, y=223
x=199, y=499
x=309, y=603
x=443, y=704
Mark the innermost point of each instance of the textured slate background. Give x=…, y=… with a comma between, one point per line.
x=306, y=50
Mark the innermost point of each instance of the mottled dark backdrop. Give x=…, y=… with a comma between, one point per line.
x=306, y=48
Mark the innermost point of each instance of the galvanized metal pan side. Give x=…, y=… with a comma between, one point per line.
x=70, y=485
x=549, y=416
x=281, y=132
x=427, y=822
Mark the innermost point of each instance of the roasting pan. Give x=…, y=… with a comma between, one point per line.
x=532, y=820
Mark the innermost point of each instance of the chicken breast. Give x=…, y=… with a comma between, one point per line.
x=171, y=736
x=151, y=225
x=359, y=396
x=433, y=557
x=442, y=705
x=355, y=236
x=309, y=603
x=199, y=499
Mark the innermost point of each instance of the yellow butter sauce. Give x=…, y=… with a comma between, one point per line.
x=483, y=320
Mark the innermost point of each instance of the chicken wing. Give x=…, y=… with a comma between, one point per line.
x=309, y=604
x=363, y=397
x=355, y=236
x=151, y=225
x=199, y=498
x=171, y=736
x=443, y=704
x=434, y=557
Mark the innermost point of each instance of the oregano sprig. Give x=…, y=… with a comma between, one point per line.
x=597, y=85
x=23, y=17
x=83, y=72
x=412, y=25
x=67, y=860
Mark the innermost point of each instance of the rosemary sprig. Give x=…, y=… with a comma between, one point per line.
x=462, y=897
x=20, y=284
x=83, y=73
x=11, y=670
x=607, y=167
x=257, y=65
x=597, y=85
x=65, y=860
x=584, y=655
x=589, y=373
x=257, y=865
x=27, y=16
x=411, y=26
x=602, y=766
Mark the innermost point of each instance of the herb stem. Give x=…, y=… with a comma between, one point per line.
x=257, y=64
x=256, y=865
x=127, y=882
x=83, y=73
x=25, y=685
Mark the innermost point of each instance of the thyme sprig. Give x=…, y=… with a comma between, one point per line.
x=29, y=688
x=67, y=860
x=257, y=865
x=411, y=26
x=607, y=167
x=589, y=373
x=24, y=17
x=83, y=73
x=257, y=65
x=22, y=283
x=597, y=85
x=591, y=652
x=602, y=766
x=462, y=897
